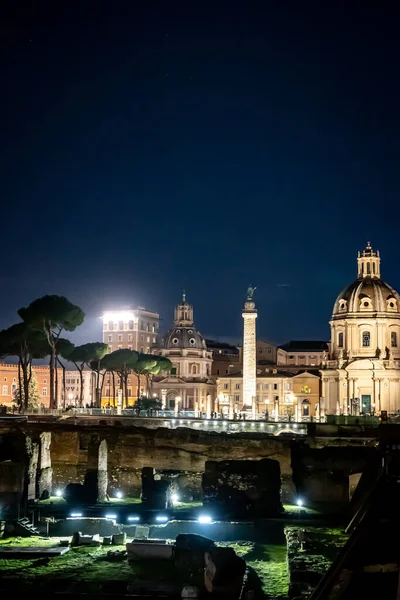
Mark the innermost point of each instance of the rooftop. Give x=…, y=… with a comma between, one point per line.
x=305, y=346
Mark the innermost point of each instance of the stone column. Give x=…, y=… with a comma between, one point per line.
x=45, y=474
x=249, y=315
x=102, y=472
x=231, y=406
x=32, y=452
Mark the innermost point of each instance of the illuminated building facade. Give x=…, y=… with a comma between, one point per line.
x=9, y=381
x=136, y=329
x=361, y=374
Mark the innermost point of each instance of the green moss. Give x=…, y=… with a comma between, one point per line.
x=294, y=509
x=122, y=501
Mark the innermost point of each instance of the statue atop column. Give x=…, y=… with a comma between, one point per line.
x=250, y=292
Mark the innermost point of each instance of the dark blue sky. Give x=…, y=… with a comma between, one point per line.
x=189, y=145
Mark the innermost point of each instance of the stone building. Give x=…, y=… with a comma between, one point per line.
x=136, y=329
x=226, y=357
x=73, y=387
x=361, y=374
x=279, y=394
x=303, y=353
x=10, y=382
x=189, y=386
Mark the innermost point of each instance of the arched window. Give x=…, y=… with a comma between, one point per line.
x=340, y=339
x=130, y=324
x=366, y=339
x=194, y=370
x=373, y=268
x=393, y=339
x=368, y=269
x=110, y=325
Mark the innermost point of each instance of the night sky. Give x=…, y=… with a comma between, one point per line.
x=205, y=146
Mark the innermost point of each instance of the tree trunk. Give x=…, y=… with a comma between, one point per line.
x=26, y=385
x=126, y=390
x=98, y=398
x=101, y=387
x=81, y=392
x=51, y=365
x=63, y=382
x=19, y=400
x=113, y=387
x=138, y=386
x=56, y=380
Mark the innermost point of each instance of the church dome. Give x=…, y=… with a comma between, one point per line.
x=184, y=333
x=368, y=293
x=183, y=337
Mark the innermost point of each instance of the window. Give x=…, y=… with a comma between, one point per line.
x=44, y=391
x=44, y=381
x=258, y=385
x=110, y=338
x=237, y=386
x=105, y=326
x=5, y=378
x=265, y=386
x=120, y=337
x=194, y=370
x=141, y=325
x=288, y=386
x=148, y=339
x=153, y=329
x=5, y=390
x=175, y=341
x=121, y=325
x=142, y=338
x=154, y=340
x=237, y=397
x=393, y=339
x=130, y=337
x=192, y=341
x=148, y=350
x=366, y=339
x=148, y=327
x=217, y=371
x=14, y=380
x=340, y=339
x=225, y=386
x=110, y=326
x=130, y=324
x=275, y=386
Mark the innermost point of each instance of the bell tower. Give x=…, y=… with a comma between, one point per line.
x=183, y=313
x=369, y=263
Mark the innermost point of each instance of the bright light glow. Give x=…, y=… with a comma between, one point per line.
x=224, y=423
x=172, y=421
x=58, y=493
x=161, y=518
x=181, y=421
x=295, y=425
x=299, y=502
x=74, y=514
x=111, y=516
x=133, y=518
x=204, y=519
x=120, y=315
x=154, y=395
x=175, y=498
x=119, y=495
x=262, y=424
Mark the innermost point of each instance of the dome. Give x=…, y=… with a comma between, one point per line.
x=367, y=295
x=183, y=337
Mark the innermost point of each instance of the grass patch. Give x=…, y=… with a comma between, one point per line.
x=294, y=509
x=187, y=505
x=120, y=501
x=268, y=562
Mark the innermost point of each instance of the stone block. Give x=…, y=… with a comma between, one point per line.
x=243, y=488
x=107, y=540
x=119, y=539
x=78, y=539
x=224, y=572
x=189, y=551
x=145, y=551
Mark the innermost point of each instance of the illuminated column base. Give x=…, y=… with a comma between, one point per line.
x=208, y=404
x=231, y=407
x=196, y=409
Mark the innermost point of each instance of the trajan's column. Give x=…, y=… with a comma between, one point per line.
x=249, y=315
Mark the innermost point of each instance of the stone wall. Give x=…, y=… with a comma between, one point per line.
x=182, y=450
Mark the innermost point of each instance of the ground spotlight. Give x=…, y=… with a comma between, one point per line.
x=58, y=493
x=133, y=518
x=175, y=498
x=161, y=518
x=204, y=519
x=111, y=516
x=76, y=514
x=299, y=502
x=119, y=495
